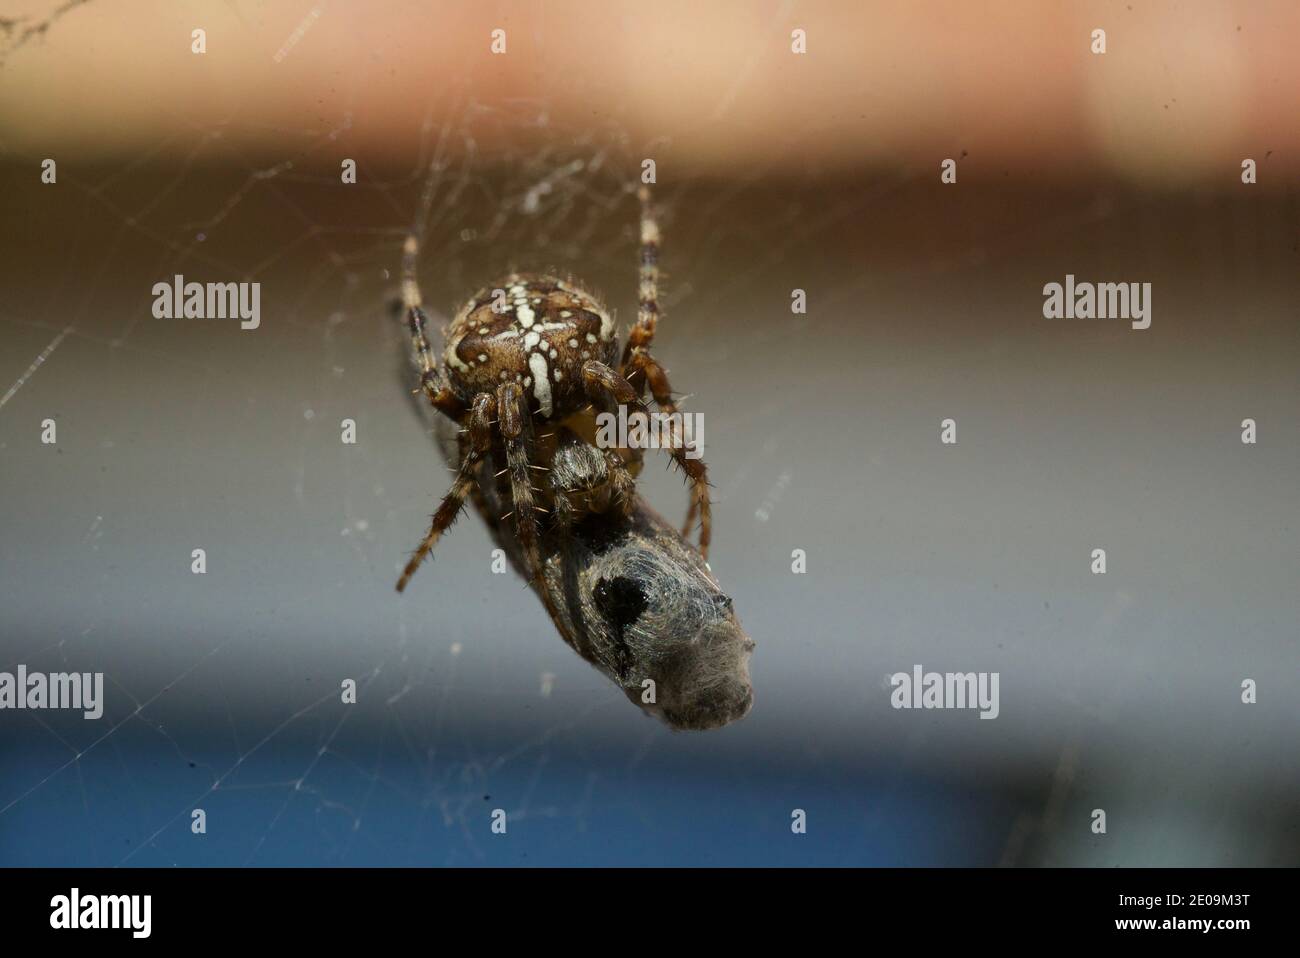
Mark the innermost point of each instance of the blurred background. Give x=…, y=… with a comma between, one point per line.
x=776, y=171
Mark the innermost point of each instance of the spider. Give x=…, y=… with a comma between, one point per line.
x=537, y=347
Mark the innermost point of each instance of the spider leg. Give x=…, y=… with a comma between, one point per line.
x=604, y=386
x=657, y=379
x=642, y=333
x=480, y=443
x=410, y=285
x=431, y=381
x=513, y=422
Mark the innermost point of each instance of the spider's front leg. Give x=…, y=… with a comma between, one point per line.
x=656, y=377
x=637, y=360
x=480, y=444
x=642, y=333
x=604, y=386
x=515, y=430
x=431, y=381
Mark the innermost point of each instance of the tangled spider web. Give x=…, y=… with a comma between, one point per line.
x=275, y=769
x=223, y=689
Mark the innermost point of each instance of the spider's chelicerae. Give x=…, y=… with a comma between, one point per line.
x=528, y=362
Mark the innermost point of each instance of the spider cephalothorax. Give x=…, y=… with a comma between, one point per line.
x=536, y=350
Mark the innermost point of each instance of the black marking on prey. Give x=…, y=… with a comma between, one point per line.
x=621, y=601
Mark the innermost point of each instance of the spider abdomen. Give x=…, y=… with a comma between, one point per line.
x=533, y=329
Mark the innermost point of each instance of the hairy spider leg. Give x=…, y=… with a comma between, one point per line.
x=480, y=444
x=431, y=380
x=696, y=470
x=637, y=360
x=642, y=334
x=515, y=428
x=604, y=386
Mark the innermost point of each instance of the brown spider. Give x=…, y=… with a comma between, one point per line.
x=535, y=346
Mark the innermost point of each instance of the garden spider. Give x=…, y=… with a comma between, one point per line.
x=535, y=346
